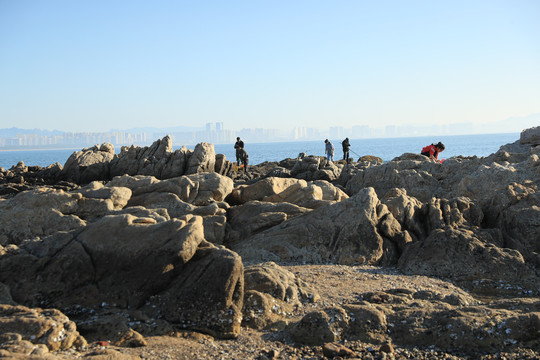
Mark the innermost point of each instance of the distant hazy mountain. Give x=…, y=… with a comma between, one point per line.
x=12, y=132
x=520, y=123
x=160, y=130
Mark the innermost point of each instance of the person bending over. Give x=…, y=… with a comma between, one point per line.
x=244, y=158
x=239, y=145
x=432, y=151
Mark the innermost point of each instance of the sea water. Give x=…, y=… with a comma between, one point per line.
x=385, y=148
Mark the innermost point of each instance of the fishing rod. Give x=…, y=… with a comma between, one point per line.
x=355, y=153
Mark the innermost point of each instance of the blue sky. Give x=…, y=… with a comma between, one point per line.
x=96, y=65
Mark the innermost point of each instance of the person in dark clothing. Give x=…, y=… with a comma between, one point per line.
x=244, y=158
x=346, y=146
x=239, y=145
x=432, y=151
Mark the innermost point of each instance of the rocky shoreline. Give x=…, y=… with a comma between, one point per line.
x=154, y=253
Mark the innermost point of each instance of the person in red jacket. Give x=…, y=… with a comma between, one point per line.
x=432, y=151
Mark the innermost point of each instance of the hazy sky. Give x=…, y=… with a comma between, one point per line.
x=95, y=65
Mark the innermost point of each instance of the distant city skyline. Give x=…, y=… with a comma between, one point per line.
x=93, y=66
x=218, y=133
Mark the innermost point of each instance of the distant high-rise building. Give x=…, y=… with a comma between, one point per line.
x=361, y=131
x=299, y=133
x=391, y=131
x=337, y=132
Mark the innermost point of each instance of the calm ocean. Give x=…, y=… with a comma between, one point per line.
x=385, y=148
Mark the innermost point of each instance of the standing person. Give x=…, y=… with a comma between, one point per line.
x=244, y=157
x=432, y=151
x=329, y=151
x=346, y=146
x=239, y=145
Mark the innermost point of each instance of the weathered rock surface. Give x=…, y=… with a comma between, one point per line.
x=37, y=213
x=196, y=189
x=311, y=194
x=21, y=177
x=202, y=160
x=207, y=295
x=88, y=165
x=273, y=294
x=158, y=160
x=256, y=216
x=530, y=136
x=345, y=232
x=466, y=256
x=125, y=261
x=36, y=331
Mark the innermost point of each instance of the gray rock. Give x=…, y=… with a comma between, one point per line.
x=207, y=295
x=530, y=136
x=345, y=232
x=465, y=256
x=254, y=217
x=88, y=165
x=40, y=326
x=203, y=159
x=38, y=213
x=320, y=327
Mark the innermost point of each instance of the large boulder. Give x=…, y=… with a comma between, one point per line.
x=254, y=217
x=407, y=210
x=466, y=256
x=320, y=327
x=121, y=255
x=445, y=316
x=495, y=187
x=530, y=136
x=207, y=295
x=345, y=233
x=309, y=194
x=157, y=160
x=198, y=189
x=203, y=159
x=223, y=166
x=275, y=280
x=88, y=165
x=419, y=178
x=312, y=168
x=295, y=191
x=128, y=261
x=119, y=196
x=520, y=224
x=261, y=189
x=279, y=283
x=38, y=213
x=474, y=329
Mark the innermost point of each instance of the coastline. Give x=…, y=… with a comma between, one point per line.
x=386, y=149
